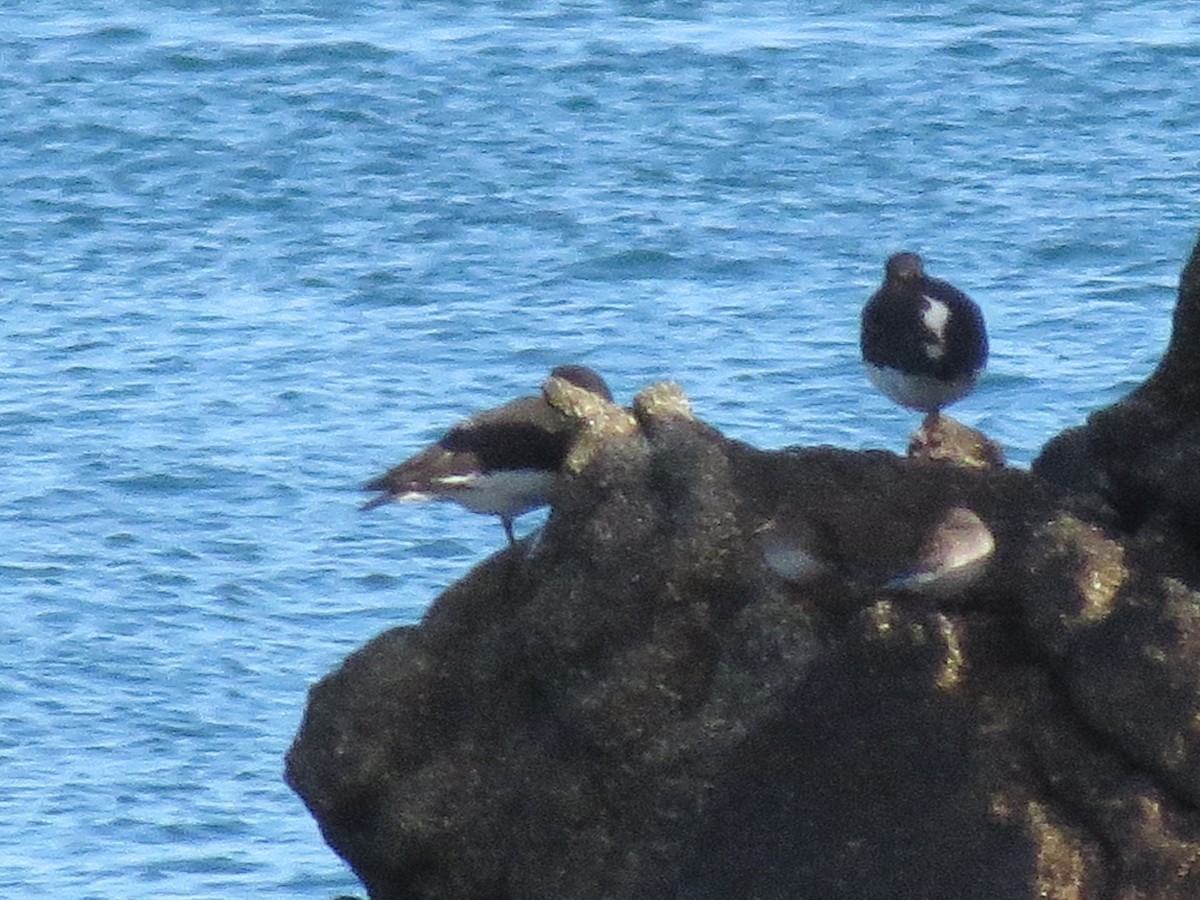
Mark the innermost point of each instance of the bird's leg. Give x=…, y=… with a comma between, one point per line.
x=514, y=559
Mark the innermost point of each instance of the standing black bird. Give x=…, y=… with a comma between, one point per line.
x=501, y=462
x=923, y=340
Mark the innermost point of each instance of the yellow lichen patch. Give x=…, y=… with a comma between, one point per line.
x=1183, y=606
x=1174, y=753
x=951, y=670
x=1098, y=587
x=666, y=398
x=882, y=618
x=1059, y=858
x=941, y=439
x=1000, y=807
x=1156, y=829
x=1099, y=566
x=1149, y=813
x=600, y=421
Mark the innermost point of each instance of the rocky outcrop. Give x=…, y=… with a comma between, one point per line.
x=1134, y=464
x=711, y=676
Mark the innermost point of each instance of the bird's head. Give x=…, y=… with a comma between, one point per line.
x=904, y=267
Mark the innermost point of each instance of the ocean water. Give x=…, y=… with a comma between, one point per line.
x=254, y=253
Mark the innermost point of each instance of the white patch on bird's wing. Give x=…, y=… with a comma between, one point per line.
x=935, y=316
x=456, y=481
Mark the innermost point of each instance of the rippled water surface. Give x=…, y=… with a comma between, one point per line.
x=255, y=252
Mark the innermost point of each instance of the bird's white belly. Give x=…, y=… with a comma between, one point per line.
x=498, y=493
x=923, y=392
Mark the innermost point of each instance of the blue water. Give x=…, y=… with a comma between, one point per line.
x=255, y=252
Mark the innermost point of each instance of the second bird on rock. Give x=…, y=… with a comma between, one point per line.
x=501, y=462
x=923, y=340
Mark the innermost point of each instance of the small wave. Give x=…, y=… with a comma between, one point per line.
x=628, y=265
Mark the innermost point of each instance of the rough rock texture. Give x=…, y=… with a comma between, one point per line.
x=634, y=704
x=1135, y=462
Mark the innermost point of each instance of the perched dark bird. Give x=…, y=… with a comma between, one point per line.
x=501, y=462
x=923, y=340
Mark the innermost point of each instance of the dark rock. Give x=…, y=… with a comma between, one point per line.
x=1134, y=463
x=635, y=704
x=943, y=439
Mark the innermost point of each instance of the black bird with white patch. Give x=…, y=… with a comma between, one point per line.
x=923, y=340
x=502, y=462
